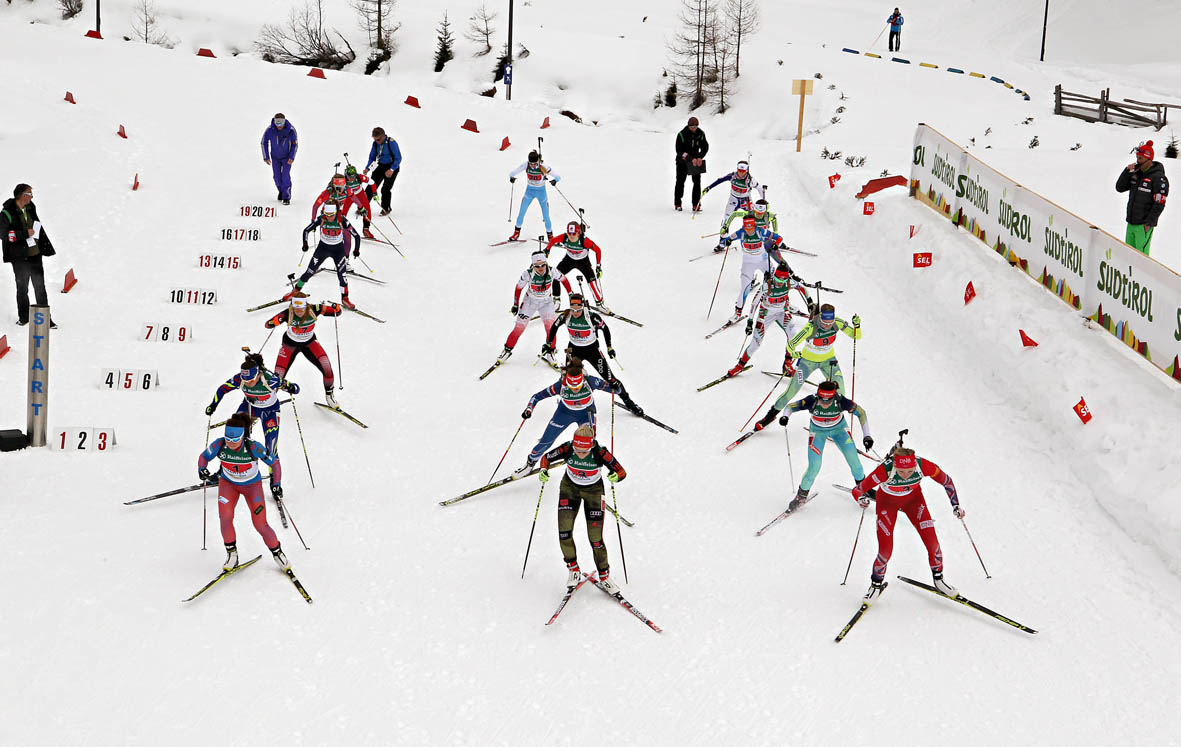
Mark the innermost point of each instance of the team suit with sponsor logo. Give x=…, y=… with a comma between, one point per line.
x=584, y=327
x=759, y=246
x=239, y=476
x=743, y=185
x=774, y=307
x=582, y=484
x=536, y=173
x=300, y=339
x=578, y=248
x=360, y=194
x=901, y=492
x=764, y=218
x=333, y=228
x=826, y=411
x=576, y=404
x=542, y=286
x=818, y=336
x=259, y=400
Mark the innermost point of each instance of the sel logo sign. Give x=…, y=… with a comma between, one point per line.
x=868, y=210
x=922, y=259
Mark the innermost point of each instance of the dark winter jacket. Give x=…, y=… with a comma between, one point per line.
x=1148, y=191
x=14, y=233
x=282, y=144
x=691, y=144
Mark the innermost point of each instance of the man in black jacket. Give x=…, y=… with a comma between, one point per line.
x=24, y=244
x=1148, y=188
x=691, y=149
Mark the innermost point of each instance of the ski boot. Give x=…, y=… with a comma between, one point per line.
x=944, y=587
x=741, y=364
x=575, y=576
x=525, y=468
x=345, y=302
x=603, y=307
x=516, y=234
x=231, y=557
x=504, y=354
x=875, y=589
x=737, y=314
x=800, y=499
x=280, y=557
x=677, y=208
x=549, y=235
x=330, y=400
x=368, y=234
x=606, y=584
x=630, y=404
x=765, y=421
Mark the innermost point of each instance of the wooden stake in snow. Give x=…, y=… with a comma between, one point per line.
x=801, y=88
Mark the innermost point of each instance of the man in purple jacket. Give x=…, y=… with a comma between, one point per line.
x=279, y=144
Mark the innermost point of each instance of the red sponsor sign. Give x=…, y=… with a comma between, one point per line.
x=969, y=292
x=868, y=209
x=832, y=180
x=922, y=259
x=1083, y=410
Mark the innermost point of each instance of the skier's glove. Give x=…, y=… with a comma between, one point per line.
x=750, y=326
x=856, y=321
x=614, y=477
x=304, y=247
x=514, y=309
x=546, y=349
x=789, y=366
x=705, y=191
x=553, y=182
x=277, y=491
x=868, y=442
x=610, y=352
x=527, y=413
x=512, y=180
x=959, y=512
x=203, y=474
x=543, y=476
x=599, y=272
x=863, y=501
x=783, y=418
x=357, y=252
x=209, y=410
x=289, y=386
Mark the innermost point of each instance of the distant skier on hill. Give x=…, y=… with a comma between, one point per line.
x=742, y=187
x=259, y=398
x=300, y=339
x=543, y=293
x=764, y=218
x=827, y=409
x=537, y=173
x=333, y=227
x=360, y=192
x=895, y=20
x=897, y=481
x=583, y=484
x=576, y=404
x=578, y=247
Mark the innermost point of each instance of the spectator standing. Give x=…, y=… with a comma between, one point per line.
x=691, y=147
x=279, y=144
x=385, y=161
x=1147, y=188
x=895, y=21
x=24, y=245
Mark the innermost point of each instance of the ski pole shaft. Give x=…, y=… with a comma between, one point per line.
x=760, y=406
x=339, y=368
x=855, y=541
x=264, y=342
x=536, y=511
x=512, y=191
x=395, y=225
x=299, y=428
x=367, y=267
x=614, y=500
x=986, y=573
x=555, y=186
x=709, y=235
x=205, y=491
x=791, y=471
x=294, y=526
x=506, y=449
x=387, y=239
x=719, y=283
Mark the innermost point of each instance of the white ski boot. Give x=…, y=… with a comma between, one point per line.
x=524, y=468
x=330, y=400
x=504, y=354
x=943, y=586
x=737, y=314
x=280, y=558
x=575, y=576
x=606, y=584
x=231, y=558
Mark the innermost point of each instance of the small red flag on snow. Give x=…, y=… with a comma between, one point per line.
x=1083, y=410
x=70, y=98
x=832, y=180
x=122, y=132
x=545, y=123
x=922, y=259
x=412, y=101
x=135, y=184
x=914, y=230
x=469, y=125
x=205, y=52
x=4, y=348
x=505, y=144
x=969, y=292
x=71, y=281
x=92, y=34
x=868, y=209
x=1026, y=340
x=316, y=73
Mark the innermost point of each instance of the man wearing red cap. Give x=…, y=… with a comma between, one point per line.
x=899, y=477
x=1148, y=188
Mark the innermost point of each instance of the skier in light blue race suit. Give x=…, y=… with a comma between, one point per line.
x=576, y=404
x=536, y=172
x=827, y=409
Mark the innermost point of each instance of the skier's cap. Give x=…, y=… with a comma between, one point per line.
x=1146, y=151
x=827, y=389
x=575, y=380
x=573, y=227
x=783, y=270
x=583, y=442
x=534, y=156
x=905, y=461
x=581, y=299
x=743, y=165
x=749, y=218
x=299, y=302
x=235, y=432
x=760, y=205
x=249, y=373
x=537, y=257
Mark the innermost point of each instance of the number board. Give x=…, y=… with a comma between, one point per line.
x=155, y=332
x=220, y=261
x=257, y=211
x=240, y=234
x=83, y=439
x=196, y=296
x=128, y=380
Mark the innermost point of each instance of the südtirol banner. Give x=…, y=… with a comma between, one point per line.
x=935, y=162
x=1135, y=298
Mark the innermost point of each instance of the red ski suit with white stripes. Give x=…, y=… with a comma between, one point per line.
x=895, y=494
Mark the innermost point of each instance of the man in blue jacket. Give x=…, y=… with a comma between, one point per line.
x=385, y=160
x=895, y=21
x=279, y=144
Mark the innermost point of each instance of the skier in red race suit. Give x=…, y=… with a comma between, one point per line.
x=899, y=477
x=300, y=338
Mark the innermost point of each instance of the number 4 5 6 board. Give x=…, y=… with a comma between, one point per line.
x=129, y=380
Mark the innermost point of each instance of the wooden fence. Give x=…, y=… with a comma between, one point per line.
x=1129, y=113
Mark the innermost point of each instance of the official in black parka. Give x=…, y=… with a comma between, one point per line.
x=24, y=247
x=691, y=147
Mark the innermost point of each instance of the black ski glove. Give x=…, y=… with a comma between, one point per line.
x=527, y=413
x=868, y=441
x=277, y=491
x=514, y=309
x=209, y=410
x=203, y=474
x=512, y=180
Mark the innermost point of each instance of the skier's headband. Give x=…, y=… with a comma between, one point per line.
x=249, y=373
x=299, y=303
x=573, y=227
x=743, y=166
x=330, y=207
x=826, y=392
x=583, y=443
x=749, y=220
x=575, y=380
x=235, y=432
x=538, y=258
x=905, y=461
x=828, y=316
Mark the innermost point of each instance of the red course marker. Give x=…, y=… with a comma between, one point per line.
x=1026, y=340
x=922, y=259
x=969, y=293
x=868, y=208
x=1083, y=410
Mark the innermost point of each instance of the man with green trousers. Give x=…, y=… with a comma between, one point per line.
x=1147, y=188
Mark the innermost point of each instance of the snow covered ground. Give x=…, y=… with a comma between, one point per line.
x=422, y=631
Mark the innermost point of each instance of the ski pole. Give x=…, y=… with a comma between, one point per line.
x=512, y=191
x=756, y=412
x=339, y=368
x=205, y=491
x=555, y=186
x=536, y=511
x=387, y=239
x=790, y=469
x=301, y=442
x=879, y=36
x=719, y=283
x=853, y=385
x=855, y=541
x=283, y=507
x=710, y=235
x=986, y=574
x=362, y=261
x=395, y=224
x=264, y=342
x=510, y=445
x=614, y=500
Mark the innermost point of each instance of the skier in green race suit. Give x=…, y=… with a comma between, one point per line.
x=827, y=409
